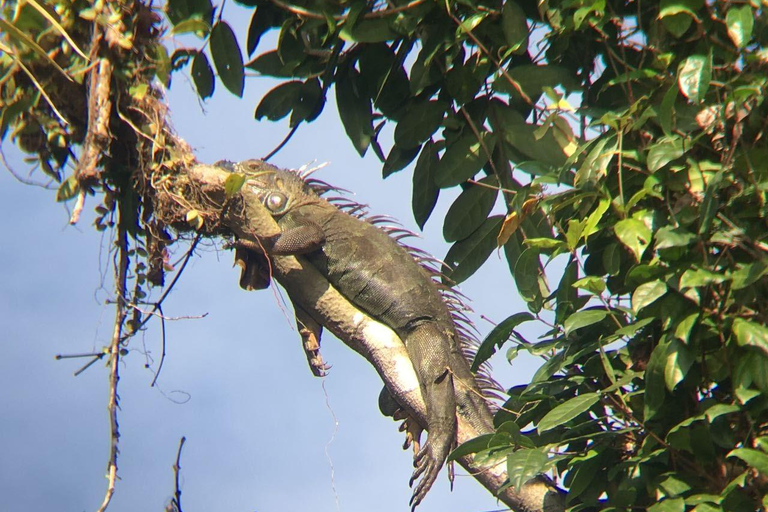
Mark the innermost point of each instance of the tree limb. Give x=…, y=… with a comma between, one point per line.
x=375, y=341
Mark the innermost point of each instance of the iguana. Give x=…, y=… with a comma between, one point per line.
x=391, y=283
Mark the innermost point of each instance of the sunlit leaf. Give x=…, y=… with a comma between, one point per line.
x=634, y=234
x=740, y=20
x=233, y=184
x=568, y=410
x=524, y=464
x=583, y=318
x=751, y=334
x=68, y=189
x=647, y=293
x=693, y=77
x=679, y=361
x=755, y=458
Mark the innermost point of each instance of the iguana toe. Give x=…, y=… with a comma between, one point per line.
x=427, y=463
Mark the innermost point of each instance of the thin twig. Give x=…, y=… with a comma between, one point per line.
x=493, y=59
x=114, y=359
x=283, y=143
x=21, y=178
x=176, y=471
x=159, y=303
x=162, y=354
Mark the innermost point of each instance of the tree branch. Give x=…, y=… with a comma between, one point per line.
x=371, y=339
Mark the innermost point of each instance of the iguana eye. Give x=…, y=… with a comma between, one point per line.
x=275, y=202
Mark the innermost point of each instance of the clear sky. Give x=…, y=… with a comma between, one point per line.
x=260, y=429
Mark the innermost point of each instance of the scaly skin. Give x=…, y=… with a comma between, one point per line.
x=381, y=278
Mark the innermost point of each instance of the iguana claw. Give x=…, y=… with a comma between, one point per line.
x=427, y=464
x=412, y=431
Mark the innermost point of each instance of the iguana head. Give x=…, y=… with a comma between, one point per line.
x=277, y=189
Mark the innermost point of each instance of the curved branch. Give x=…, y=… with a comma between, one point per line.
x=371, y=339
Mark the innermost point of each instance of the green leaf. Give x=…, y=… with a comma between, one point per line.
x=598, y=162
x=667, y=110
x=592, y=284
x=425, y=192
x=663, y=152
x=566, y=411
x=669, y=236
x=466, y=256
x=279, y=102
x=475, y=445
x=655, y=381
x=545, y=244
x=419, y=123
x=265, y=17
x=740, y=21
x=612, y=259
x=533, y=79
x=754, y=458
x=193, y=26
x=202, y=75
x=679, y=361
x=695, y=277
x=68, y=189
x=464, y=158
x=590, y=226
x=270, y=64
x=354, y=109
x=368, y=31
x=749, y=274
x=515, y=27
x=162, y=62
x=524, y=464
x=497, y=337
x=526, y=274
x=677, y=15
x=310, y=102
x=182, y=10
x=398, y=159
x=710, y=204
x=750, y=334
x=521, y=135
x=233, y=184
x=647, y=293
x=470, y=209
x=634, y=234
x=694, y=75
x=567, y=297
x=583, y=318
x=668, y=505
x=227, y=58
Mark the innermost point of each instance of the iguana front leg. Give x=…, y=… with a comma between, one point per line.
x=310, y=332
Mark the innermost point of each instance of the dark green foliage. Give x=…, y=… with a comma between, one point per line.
x=657, y=348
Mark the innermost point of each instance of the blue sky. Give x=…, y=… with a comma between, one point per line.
x=260, y=429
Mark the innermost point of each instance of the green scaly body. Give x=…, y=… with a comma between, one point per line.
x=383, y=279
